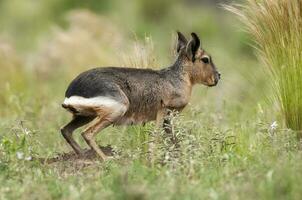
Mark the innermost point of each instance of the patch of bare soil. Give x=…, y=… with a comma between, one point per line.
x=88, y=157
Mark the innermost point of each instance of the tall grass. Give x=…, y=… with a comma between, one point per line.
x=276, y=27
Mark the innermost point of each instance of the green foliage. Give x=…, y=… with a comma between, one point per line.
x=211, y=162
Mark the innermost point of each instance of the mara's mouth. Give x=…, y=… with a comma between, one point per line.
x=212, y=85
x=213, y=81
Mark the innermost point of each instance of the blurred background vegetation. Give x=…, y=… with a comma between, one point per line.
x=46, y=43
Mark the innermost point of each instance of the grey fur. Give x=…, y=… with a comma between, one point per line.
x=147, y=93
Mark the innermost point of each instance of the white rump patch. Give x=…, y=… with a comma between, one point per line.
x=77, y=102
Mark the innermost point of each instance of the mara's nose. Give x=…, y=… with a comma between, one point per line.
x=217, y=77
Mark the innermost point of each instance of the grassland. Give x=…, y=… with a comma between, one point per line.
x=233, y=142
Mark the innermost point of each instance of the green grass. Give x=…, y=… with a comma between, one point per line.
x=230, y=146
x=224, y=154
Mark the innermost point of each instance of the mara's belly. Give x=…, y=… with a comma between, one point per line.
x=132, y=118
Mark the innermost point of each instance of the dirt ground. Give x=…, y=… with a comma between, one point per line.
x=87, y=158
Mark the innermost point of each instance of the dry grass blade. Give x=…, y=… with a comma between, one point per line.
x=141, y=56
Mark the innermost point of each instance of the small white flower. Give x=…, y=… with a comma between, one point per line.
x=20, y=155
x=274, y=126
x=28, y=158
x=26, y=131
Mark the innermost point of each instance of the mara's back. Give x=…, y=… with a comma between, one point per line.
x=105, y=81
x=139, y=91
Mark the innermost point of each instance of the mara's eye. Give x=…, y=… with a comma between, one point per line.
x=205, y=59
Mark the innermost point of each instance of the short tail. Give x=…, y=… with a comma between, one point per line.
x=69, y=108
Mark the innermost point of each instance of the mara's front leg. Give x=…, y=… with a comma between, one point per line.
x=163, y=119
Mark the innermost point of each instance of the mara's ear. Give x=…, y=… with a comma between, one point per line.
x=182, y=41
x=193, y=46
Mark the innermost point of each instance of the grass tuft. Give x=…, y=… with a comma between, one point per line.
x=276, y=27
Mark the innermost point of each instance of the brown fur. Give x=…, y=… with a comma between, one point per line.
x=146, y=94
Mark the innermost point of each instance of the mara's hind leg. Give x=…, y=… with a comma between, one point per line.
x=68, y=129
x=106, y=115
x=90, y=133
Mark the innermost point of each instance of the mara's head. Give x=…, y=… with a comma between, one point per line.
x=196, y=61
